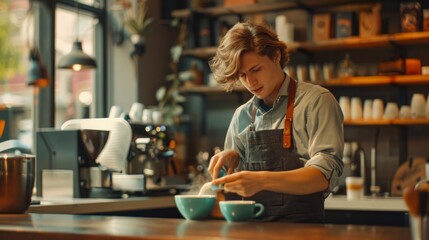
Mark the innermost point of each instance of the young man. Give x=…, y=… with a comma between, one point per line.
x=284, y=146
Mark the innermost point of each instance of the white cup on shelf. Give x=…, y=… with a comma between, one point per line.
x=405, y=112
x=367, y=109
x=356, y=108
x=302, y=73
x=391, y=111
x=418, y=105
x=377, y=109
x=344, y=102
x=328, y=71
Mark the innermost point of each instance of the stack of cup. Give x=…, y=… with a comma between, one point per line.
x=377, y=109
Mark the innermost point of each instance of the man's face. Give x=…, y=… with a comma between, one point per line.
x=261, y=75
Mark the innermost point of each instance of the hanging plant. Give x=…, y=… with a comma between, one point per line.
x=137, y=24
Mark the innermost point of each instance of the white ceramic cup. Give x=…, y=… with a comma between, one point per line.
x=302, y=73
x=377, y=109
x=157, y=117
x=147, y=116
x=391, y=111
x=356, y=108
x=405, y=112
x=418, y=105
x=328, y=71
x=136, y=111
x=115, y=111
x=354, y=186
x=367, y=109
x=344, y=102
x=315, y=74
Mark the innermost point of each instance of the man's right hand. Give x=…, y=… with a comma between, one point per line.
x=227, y=158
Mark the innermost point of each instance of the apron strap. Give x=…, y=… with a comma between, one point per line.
x=287, y=131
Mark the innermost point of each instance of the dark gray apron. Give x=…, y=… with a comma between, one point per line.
x=268, y=151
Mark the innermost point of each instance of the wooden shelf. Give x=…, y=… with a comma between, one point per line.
x=343, y=82
x=210, y=90
x=359, y=81
x=240, y=9
x=402, y=122
x=205, y=52
x=337, y=44
x=263, y=7
x=377, y=80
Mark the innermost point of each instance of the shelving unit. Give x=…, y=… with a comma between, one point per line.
x=400, y=130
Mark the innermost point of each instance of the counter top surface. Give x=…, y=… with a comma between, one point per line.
x=88, y=206
x=96, y=205
x=395, y=204
x=86, y=227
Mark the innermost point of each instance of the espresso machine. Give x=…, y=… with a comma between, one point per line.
x=66, y=164
x=151, y=154
x=106, y=158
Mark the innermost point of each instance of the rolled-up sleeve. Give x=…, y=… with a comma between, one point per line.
x=326, y=137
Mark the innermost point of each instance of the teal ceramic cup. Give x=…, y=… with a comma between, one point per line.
x=240, y=210
x=195, y=207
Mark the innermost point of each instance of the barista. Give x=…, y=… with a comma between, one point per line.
x=284, y=146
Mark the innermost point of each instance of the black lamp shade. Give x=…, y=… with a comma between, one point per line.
x=77, y=60
x=37, y=73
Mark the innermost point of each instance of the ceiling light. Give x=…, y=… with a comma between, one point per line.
x=77, y=59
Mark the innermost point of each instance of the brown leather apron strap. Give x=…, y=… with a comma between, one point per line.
x=287, y=131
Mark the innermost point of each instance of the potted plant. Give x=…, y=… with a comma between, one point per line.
x=137, y=24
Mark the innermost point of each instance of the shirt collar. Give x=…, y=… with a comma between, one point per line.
x=283, y=92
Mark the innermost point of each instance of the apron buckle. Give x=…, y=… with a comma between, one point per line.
x=287, y=140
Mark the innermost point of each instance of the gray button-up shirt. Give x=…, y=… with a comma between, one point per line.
x=317, y=127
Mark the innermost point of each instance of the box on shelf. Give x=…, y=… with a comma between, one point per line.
x=344, y=24
x=370, y=21
x=322, y=27
x=410, y=15
x=400, y=66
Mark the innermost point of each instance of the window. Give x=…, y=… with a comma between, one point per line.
x=16, y=101
x=69, y=94
x=73, y=90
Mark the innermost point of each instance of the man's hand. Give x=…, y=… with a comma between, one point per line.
x=243, y=183
x=228, y=158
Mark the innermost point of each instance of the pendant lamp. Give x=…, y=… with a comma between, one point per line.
x=37, y=74
x=77, y=59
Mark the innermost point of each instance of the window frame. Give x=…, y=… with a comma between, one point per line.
x=45, y=34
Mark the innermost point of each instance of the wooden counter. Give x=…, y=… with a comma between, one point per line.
x=95, y=205
x=92, y=206
x=85, y=227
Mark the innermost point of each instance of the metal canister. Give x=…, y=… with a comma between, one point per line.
x=17, y=173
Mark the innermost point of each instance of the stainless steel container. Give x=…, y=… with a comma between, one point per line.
x=16, y=182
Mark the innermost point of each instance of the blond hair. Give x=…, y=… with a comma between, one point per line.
x=240, y=39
